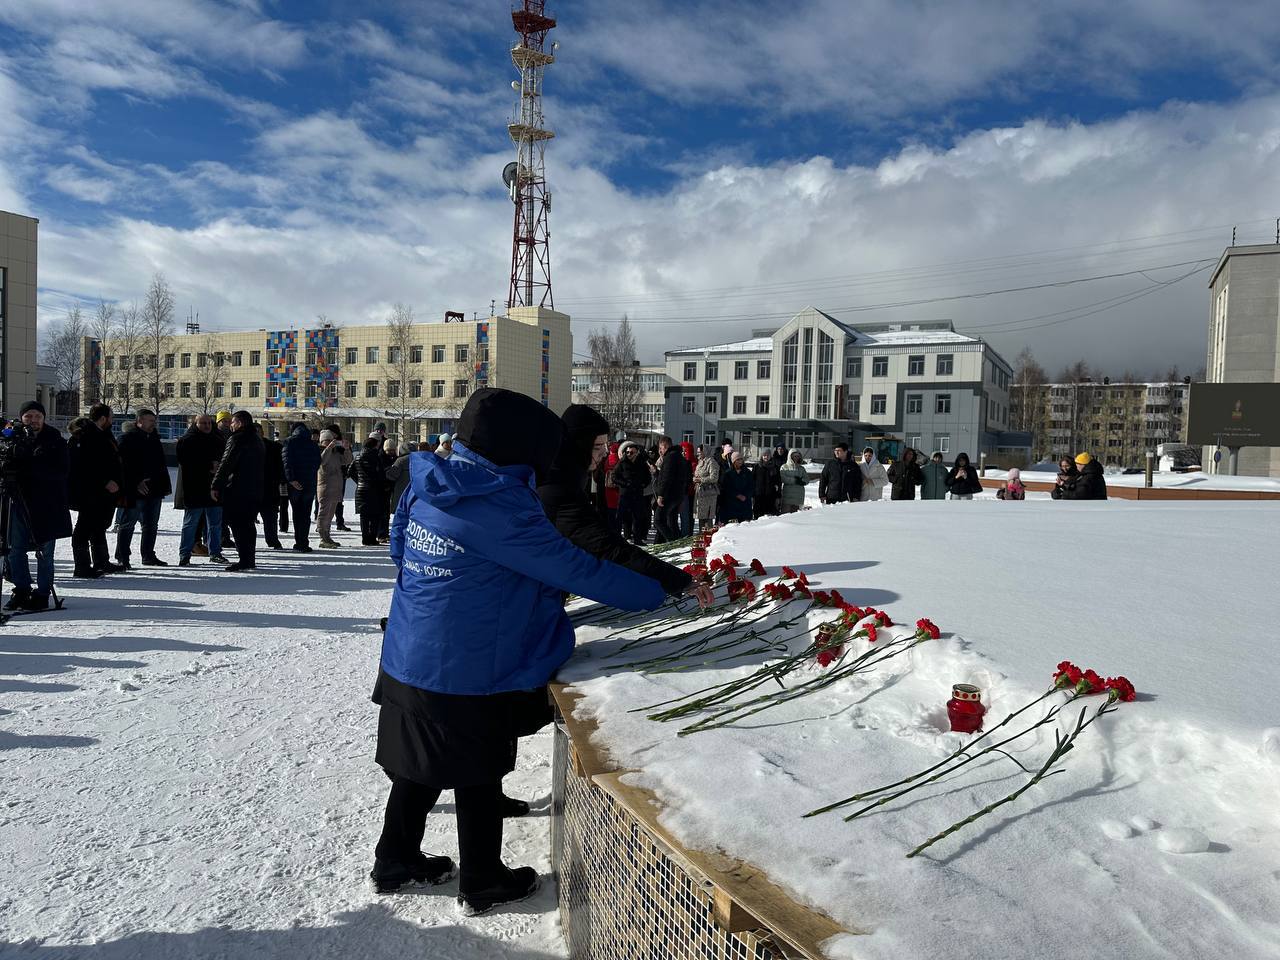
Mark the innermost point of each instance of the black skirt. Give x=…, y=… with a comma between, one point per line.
x=446, y=740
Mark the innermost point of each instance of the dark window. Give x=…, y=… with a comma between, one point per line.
x=690, y=372
x=879, y=404
x=946, y=364
x=739, y=405
x=762, y=369
x=943, y=404
x=879, y=366
x=915, y=366
x=741, y=369
x=915, y=401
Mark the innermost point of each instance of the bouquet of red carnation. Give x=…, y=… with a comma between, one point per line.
x=757, y=567
x=926, y=628
x=729, y=561
x=741, y=589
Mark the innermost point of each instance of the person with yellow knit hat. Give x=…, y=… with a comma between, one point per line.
x=1089, y=484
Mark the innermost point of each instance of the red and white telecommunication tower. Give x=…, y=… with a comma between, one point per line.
x=526, y=176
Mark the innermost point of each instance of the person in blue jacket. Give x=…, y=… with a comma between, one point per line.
x=477, y=621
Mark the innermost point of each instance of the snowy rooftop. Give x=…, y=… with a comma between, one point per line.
x=754, y=345
x=902, y=338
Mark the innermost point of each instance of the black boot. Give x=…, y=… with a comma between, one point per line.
x=511, y=807
x=424, y=872
x=18, y=599
x=519, y=884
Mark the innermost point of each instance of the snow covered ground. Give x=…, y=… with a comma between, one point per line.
x=1180, y=597
x=186, y=770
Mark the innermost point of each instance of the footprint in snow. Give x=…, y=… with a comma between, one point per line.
x=124, y=686
x=1117, y=829
x=1144, y=824
x=1182, y=840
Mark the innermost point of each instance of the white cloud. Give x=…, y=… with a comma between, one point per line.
x=395, y=226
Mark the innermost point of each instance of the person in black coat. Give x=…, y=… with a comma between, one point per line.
x=238, y=487
x=737, y=487
x=301, y=461
x=768, y=488
x=1067, y=476
x=95, y=480
x=962, y=480
x=841, y=480
x=371, y=490
x=146, y=484
x=780, y=456
x=1089, y=484
x=632, y=477
x=275, y=505
x=904, y=476
x=199, y=453
x=670, y=488
x=40, y=516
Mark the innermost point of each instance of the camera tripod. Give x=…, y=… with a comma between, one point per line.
x=11, y=499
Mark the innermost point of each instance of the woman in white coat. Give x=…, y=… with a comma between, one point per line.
x=874, y=476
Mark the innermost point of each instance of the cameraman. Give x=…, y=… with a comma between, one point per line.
x=95, y=481
x=146, y=484
x=38, y=514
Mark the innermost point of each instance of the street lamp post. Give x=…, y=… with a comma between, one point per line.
x=706, y=356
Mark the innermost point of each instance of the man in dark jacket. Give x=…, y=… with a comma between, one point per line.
x=841, y=480
x=301, y=464
x=94, y=483
x=1089, y=485
x=199, y=453
x=671, y=486
x=237, y=486
x=737, y=488
x=146, y=484
x=274, y=506
x=632, y=476
x=963, y=480
x=39, y=517
x=905, y=476
x=768, y=477
x=371, y=485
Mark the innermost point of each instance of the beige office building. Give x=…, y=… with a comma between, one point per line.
x=356, y=376
x=18, y=243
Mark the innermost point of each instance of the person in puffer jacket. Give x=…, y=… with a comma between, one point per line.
x=476, y=622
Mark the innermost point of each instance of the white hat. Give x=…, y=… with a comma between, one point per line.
x=446, y=438
x=327, y=435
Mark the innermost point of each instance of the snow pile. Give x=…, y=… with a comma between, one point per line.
x=186, y=770
x=1160, y=839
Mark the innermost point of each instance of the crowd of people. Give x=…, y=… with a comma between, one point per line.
x=231, y=476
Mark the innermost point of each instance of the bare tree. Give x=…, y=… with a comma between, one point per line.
x=102, y=328
x=209, y=385
x=61, y=351
x=129, y=375
x=402, y=370
x=157, y=337
x=614, y=384
x=1026, y=392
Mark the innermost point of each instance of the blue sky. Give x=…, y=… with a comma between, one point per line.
x=718, y=165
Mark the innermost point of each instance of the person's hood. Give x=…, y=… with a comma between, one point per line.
x=1093, y=468
x=791, y=453
x=622, y=447
x=1014, y=474
x=874, y=461
x=687, y=449
x=508, y=428
x=443, y=482
x=300, y=430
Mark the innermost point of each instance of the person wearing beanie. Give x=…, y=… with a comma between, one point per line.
x=339, y=520
x=1013, y=488
x=223, y=423
x=477, y=622
x=238, y=486
x=1089, y=485
x=445, y=446
x=39, y=517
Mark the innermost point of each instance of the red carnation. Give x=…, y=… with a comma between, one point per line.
x=855, y=613
x=829, y=656
x=822, y=598
x=781, y=591
x=800, y=590
x=1121, y=689
x=788, y=573
x=737, y=589
x=730, y=574
x=837, y=600
x=1090, y=682
x=716, y=564
x=695, y=570
x=926, y=628
x=882, y=618
x=1068, y=674
x=757, y=567
x=729, y=561
x=803, y=579
x=870, y=631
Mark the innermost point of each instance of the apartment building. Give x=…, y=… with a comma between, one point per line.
x=633, y=399
x=19, y=241
x=1116, y=422
x=817, y=380
x=1244, y=337
x=356, y=376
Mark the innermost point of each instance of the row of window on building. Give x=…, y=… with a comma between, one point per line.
x=392, y=389
x=944, y=367
x=236, y=358
x=853, y=405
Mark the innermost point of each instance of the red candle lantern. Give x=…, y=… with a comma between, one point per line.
x=698, y=553
x=965, y=709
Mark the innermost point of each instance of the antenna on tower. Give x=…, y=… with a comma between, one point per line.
x=526, y=176
x=193, y=321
